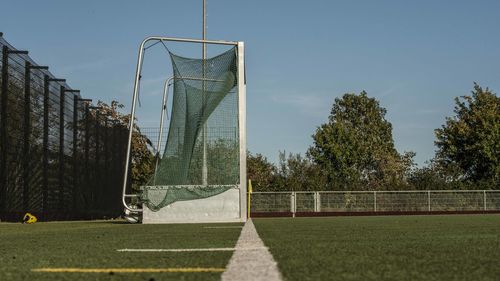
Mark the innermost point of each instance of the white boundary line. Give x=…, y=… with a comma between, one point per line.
x=223, y=227
x=192, y=250
x=257, y=264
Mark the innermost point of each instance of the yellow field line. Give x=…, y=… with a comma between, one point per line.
x=130, y=270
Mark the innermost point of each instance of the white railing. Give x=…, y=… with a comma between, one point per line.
x=376, y=201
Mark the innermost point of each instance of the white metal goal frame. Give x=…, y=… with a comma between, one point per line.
x=241, y=115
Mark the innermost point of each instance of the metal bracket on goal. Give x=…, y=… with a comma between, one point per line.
x=241, y=88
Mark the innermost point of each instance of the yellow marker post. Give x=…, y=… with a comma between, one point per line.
x=249, y=195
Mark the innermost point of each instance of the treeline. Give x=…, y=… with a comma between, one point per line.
x=354, y=150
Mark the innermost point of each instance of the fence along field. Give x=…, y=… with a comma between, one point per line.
x=60, y=159
x=376, y=202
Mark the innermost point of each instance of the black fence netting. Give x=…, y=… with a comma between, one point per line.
x=59, y=157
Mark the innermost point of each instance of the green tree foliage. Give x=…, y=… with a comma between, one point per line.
x=470, y=140
x=293, y=173
x=261, y=172
x=298, y=173
x=142, y=158
x=356, y=149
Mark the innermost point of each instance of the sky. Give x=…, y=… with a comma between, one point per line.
x=412, y=56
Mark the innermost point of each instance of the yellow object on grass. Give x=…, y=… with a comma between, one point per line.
x=29, y=218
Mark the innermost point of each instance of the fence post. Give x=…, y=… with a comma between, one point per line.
x=115, y=159
x=429, y=200
x=317, y=201
x=484, y=199
x=374, y=201
x=3, y=128
x=26, y=135
x=45, y=144
x=97, y=176
x=88, y=194
x=106, y=168
x=75, y=152
x=61, y=147
x=293, y=202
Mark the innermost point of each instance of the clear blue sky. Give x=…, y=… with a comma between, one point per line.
x=414, y=56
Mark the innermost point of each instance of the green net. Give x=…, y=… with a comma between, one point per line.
x=201, y=156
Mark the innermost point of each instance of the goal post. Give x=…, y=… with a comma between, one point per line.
x=225, y=205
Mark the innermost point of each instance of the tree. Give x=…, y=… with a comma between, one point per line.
x=261, y=172
x=356, y=149
x=298, y=173
x=471, y=138
x=142, y=158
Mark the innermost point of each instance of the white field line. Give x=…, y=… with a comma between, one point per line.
x=191, y=250
x=223, y=227
x=257, y=264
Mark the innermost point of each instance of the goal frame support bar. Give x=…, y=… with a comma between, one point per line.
x=241, y=115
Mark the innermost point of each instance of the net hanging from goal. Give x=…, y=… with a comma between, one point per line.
x=203, y=132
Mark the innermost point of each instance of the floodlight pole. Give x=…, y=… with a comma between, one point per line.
x=204, y=130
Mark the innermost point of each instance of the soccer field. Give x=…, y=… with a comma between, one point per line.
x=94, y=245
x=455, y=247
x=459, y=247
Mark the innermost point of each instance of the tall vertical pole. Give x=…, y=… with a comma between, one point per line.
x=75, y=153
x=3, y=128
x=61, y=147
x=242, y=126
x=484, y=200
x=27, y=128
x=97, y=177
x=105, y=195
x=45, y=145
x=204, y=131
x=86, y=152
x=429, y=201
x=27, y=134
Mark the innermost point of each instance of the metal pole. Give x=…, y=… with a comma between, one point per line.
x=97, y=177
x=131, y=125
x=61, y=147
x=204, y=131
x=62, y=156
x=27, y=134
x=162, y=115
x=484, y=199
x=45, y=165
x=3, y=128
x=86, y=152
x=429, y=200
x=375, y=201
x=46, y=151
x=75, y=152
x=242, y=126
x=27, y=130
x=106, y=187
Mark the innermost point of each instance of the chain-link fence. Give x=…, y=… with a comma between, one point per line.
x=60, y=157
x=323, y=202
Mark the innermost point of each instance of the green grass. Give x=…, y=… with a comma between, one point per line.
x=459, y=247
x=94, y=245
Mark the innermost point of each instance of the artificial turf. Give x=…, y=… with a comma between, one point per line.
x=455, y=247
x=94, y=245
